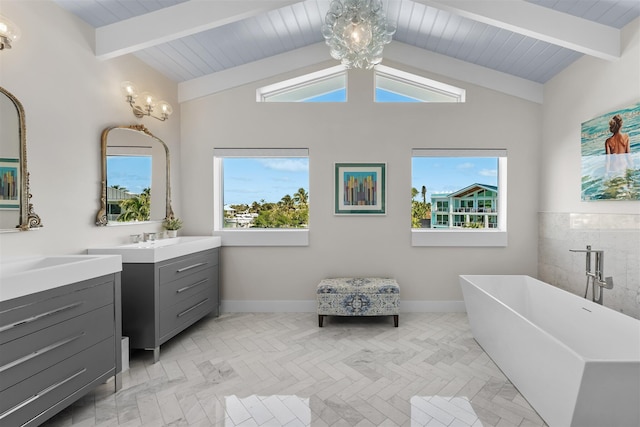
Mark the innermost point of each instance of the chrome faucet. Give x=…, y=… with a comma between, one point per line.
x=148, y=237
x=597, y=280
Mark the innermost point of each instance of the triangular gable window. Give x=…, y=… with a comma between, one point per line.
x=393, y=85
x=328, y=85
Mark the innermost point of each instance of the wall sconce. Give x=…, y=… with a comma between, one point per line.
x=9, y=33
x=149, y=104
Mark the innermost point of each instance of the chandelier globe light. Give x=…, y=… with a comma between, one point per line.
x=356, y=32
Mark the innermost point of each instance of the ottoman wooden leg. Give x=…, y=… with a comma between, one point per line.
x=320, y=319
x=396, y=320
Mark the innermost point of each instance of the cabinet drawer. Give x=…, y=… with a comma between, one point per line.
x=187, y=265
x=186, y=312
x=35, y=352
x=27, y=399
x=25, y=315
x=173, y=292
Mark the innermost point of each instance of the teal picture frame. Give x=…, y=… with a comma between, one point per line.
x=360, y=189
x=10, y=184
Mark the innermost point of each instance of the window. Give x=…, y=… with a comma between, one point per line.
x=393, y=85
x=328, y=85
x=261, y=196
x=459, y=197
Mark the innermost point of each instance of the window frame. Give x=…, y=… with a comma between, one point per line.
x=293, y=87
x=252, y=236
x=421, y=88
x=480, y=237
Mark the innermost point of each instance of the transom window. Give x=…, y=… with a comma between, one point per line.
x=393, y=85
x=329, y=85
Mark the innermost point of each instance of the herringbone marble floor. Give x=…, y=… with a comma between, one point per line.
x=282, y=370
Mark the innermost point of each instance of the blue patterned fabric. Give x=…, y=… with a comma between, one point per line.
x=368, y=296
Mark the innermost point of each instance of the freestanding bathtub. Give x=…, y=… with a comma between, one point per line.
x=576, y=362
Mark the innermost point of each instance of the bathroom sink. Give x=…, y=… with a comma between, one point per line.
x=21, y=276
x=160, y=250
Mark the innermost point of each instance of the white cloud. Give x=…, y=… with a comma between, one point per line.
x=287, y=165
x=488, y=172
x=467, y=165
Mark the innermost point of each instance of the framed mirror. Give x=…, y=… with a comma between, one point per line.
x=16, y=209
x=136, y=180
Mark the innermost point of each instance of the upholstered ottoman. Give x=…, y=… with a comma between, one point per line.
x=367, y=296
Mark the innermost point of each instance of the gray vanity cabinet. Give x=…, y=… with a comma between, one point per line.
x=160, y=300
x=56, y=346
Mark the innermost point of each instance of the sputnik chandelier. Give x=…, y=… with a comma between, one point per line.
x=356, y=31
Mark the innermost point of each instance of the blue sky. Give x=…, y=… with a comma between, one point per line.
x=249, y=180
x=131, y=172
x=340, y=95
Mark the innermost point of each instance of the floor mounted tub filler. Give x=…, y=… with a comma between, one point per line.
x=576, y=362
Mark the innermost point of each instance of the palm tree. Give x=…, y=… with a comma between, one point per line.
x=136, y=208
x=301, y=197
x=424, y=194
x=286, y=202
x=414, y=193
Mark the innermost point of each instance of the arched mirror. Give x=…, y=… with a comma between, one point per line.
x=16, y=209
x=135, y=177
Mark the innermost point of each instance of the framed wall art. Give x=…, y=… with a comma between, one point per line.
x=360, y=189
x=9, y=183
x=610, y=148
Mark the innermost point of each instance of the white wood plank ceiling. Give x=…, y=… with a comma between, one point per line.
x=210, y=45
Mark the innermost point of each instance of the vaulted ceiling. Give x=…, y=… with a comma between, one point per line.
x=210, y=45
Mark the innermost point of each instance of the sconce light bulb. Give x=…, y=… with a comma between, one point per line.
x=129, y=90
x=147, y=99
x=9, y=32
x=165, y=108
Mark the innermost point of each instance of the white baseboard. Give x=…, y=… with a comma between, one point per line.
x=432, y=307
x=270, y=306
x=309, y=306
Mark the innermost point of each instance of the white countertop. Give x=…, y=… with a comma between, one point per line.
x=20, y=276
x=160, y=250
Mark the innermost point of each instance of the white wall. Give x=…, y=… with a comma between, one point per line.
x=69, y=97
x=586, y=89
x=361, y=131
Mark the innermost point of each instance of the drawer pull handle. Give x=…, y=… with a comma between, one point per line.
x=186, y=288
x=40, y=394
x=194, y=307
x=41, y=315
x=191, y=266
x=39, y=352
